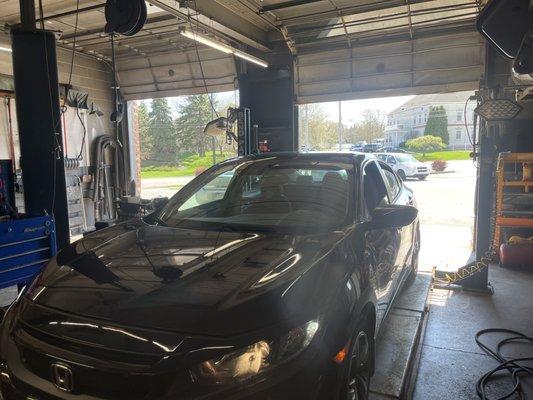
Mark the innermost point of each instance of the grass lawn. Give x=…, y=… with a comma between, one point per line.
x=450, y=155
x=187, y=166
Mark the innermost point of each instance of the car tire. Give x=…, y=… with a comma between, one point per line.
x=402, y=175
x=359, y=366
x=413, y=271
x=422, y=178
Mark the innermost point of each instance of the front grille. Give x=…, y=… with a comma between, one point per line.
x=121, y=384
x=422, y=169
x=100, y=353
x=93, y=382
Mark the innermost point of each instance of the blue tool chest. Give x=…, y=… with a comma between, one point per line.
x=25, y=245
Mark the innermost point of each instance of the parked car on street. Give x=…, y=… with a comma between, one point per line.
x=405, y=165
x=372, y=148
x=274, y=287
x=393, y=150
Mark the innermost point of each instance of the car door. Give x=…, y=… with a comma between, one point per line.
x=398, y=195
x=381, y=246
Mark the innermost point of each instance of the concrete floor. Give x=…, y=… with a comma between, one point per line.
x=451, y=362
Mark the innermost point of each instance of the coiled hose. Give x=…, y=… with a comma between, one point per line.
x=515, y=367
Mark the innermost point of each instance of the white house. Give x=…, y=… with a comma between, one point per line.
x=409, y=120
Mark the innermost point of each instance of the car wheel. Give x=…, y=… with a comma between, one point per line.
x=414, y=260
x=359, y=365
x=402, y=175
x=422, y=178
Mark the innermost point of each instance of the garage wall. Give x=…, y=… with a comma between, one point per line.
x=445, y=63
x=90, y=76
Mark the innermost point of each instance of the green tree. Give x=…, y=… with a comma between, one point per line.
x=425, y=144
x=146, y=140
x=194, y=114
x=162, y=131
x=437, y=124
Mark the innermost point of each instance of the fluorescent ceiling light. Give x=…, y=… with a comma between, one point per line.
x=6, y=49
x=251, y=58
x=223, y=47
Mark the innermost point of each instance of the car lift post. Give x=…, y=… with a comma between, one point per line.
x=479, y=282
x=38, y=116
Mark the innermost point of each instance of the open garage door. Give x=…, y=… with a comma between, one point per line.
x=434, y=64
x=394, y=48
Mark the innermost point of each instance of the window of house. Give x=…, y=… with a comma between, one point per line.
x=458, y=134
x=459, y=116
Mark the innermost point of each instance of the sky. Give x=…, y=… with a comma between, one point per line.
x=352, y=109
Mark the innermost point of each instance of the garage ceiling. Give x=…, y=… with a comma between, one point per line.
x=342, y=48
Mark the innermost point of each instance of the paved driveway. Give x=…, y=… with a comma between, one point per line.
x=446, y=203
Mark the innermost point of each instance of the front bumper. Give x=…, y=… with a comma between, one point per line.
x=307, y=384
x=310, y=376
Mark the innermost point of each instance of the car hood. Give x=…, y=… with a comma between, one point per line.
x=185, y=280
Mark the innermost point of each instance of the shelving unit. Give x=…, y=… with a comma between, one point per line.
x=514, y=194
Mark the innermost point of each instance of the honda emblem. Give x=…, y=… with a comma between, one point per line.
x=62, y=377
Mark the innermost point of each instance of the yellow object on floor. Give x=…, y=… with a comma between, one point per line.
x=518, y=240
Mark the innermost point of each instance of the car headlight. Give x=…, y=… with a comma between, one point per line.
x=254, y=359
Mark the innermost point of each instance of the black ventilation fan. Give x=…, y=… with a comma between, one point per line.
x=126, y=17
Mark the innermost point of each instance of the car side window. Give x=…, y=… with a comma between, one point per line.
x=393, y=185
x=375, y=192
x=391, y=160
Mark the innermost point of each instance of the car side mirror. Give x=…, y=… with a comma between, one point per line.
x=391, y=216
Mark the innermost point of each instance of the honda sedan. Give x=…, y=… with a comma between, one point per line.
x=275, y=288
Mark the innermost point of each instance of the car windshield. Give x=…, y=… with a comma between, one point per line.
x=405, y=158
x=264, y=194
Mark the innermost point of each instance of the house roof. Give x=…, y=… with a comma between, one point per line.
x=433, y=100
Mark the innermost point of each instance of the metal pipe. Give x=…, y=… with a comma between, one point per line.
x=27, y=14
x=71, y=12
x=65, y=141
x=10, y=132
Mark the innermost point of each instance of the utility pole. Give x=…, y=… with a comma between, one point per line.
x=306, y=127
x=213, y=140
x=340, y=125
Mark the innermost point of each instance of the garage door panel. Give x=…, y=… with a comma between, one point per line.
x=323, y=72
x=450, y=60
x=391, y=81
x=466, y=75
x=176, y=73
x=377, y=65
x=452, y=57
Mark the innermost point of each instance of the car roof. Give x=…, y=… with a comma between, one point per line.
x=341, y=156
